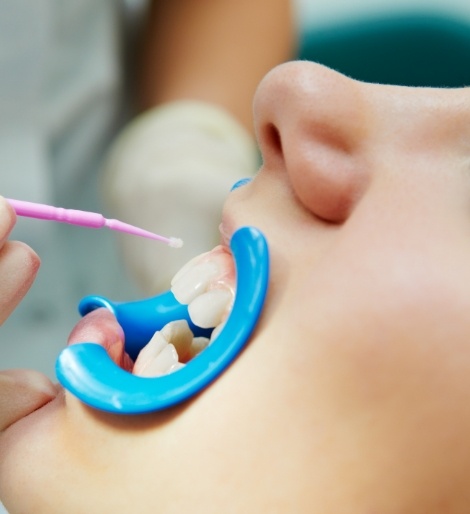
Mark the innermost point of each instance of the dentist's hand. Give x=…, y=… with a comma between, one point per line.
x=21, y=391
x=18, y=264
x=170, y=172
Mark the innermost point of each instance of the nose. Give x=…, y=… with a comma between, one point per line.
x=311, y=122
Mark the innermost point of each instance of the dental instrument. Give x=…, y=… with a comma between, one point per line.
x=87, y=371
x=84, y=219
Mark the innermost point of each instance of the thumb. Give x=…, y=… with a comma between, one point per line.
x=21, y=393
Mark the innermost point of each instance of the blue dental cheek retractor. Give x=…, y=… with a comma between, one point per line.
x=87, y=371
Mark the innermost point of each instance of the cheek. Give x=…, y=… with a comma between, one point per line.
x=387, y=329
x=389, y=363
x=388, y=386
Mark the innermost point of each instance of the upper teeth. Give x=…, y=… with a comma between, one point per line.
x=206, y=284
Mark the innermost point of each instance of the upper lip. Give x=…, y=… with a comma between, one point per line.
x=226, y=231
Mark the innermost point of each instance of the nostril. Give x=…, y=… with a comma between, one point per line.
x=314, y=124
x=273, y=137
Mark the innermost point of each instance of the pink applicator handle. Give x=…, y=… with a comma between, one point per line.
x=84, y=219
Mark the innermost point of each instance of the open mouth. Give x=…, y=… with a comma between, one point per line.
x=220, y=291
x=206, y=285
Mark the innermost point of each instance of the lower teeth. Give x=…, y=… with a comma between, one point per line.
x=169, y=350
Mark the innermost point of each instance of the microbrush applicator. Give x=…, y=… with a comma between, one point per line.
x=85, y=219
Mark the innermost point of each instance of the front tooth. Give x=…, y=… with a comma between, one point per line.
x=190, y=264
x=217, y=330
x=209, y=309
x=198, y=344
x=176, y=367
x=180, y=336
x=205, y=272
x=149, y=352
x=194, y=281
x=163, y=363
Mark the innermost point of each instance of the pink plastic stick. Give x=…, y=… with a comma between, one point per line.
x=84, y=219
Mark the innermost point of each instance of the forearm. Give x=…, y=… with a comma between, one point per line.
x=213, y=50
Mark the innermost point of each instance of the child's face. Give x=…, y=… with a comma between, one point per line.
x=354, y=394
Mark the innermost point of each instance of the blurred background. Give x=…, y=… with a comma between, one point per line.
x=413, y=42
x=409, y=42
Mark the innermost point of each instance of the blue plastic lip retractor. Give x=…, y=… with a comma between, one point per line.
x=87, y=371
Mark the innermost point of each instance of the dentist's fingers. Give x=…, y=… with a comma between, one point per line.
x=18, y=264
x=101, y=327
x=7, y=220
x=21, y=393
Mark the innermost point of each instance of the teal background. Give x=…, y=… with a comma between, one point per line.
x=415, y=49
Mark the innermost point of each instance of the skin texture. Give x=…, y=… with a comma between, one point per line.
x=353, y=396
x=21, y=391
x=18, y=264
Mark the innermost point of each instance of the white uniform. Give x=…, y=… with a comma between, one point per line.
x=60, y=105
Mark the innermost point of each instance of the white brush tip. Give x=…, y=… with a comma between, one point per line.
x=175, y=242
